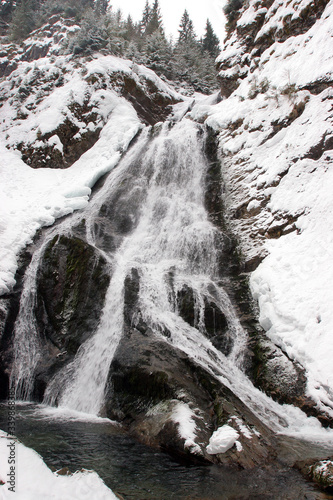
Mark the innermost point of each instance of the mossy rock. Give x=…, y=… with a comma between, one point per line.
x=72, y=284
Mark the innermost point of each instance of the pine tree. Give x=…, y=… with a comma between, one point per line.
x=101, y=7
x=146, y=15
x=186, y=29
x=92, y=35
x=155, y=20
x=131, y=30
x=158, y=53
x=24, y=19
x=210, y=42
x=190, y=63
x=116, y=33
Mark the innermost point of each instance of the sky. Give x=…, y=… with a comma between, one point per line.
x=172, y=11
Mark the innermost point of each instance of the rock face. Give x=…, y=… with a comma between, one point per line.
x=268, y=99
x=254, y=28
x=71, y=286
x=39, y=67
x=70, y=291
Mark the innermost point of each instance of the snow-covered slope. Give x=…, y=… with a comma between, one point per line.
x=276, y=143
x=77, y=116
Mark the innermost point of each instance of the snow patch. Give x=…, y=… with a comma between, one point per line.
x=222, y=440
x=185, y=418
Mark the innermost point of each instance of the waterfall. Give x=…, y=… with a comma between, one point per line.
x=173, y=245
x=173, y=234
x=27, y=347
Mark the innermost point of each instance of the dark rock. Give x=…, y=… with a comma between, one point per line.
x=213, y=190
x=131, y=294
x=151, y=105
x=320, y=472
x=316, y=151
x=149, y=380
x=72, y=282
x=186, y=305
x=72, y=147
x=71, y=286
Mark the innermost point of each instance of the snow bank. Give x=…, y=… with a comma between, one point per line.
x=222, y=440
x=33, y=480
x=294, y=283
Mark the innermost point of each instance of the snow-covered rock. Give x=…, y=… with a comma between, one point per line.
x=222, y=440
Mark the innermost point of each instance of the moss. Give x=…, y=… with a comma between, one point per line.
x=219, y=412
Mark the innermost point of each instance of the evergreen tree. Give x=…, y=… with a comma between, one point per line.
x=186, y=29
x=158, y=53
x=92, y=35
x=116, y=33
x=146, y=15
x=67, y=8
x=190, y=63
x=210, y=42
x=24, y=19
x=155, y=19
x=101, y=7
x=132, y=31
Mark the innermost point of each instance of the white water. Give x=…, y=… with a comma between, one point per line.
x=174, y=236
x=27, y=345
x=173, y=245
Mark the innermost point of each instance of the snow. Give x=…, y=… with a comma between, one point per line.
x=272, y=171
x=222, y=440
x=184, y=416
x=294, y=283
x=33, y=480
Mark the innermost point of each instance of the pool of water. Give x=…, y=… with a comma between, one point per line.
x=135, y=471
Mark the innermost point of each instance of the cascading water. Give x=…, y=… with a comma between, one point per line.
x=27, y=349
x=172, y=245
x=173, y=234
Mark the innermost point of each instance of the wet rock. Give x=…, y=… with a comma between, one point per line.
x=147, y=380
x=151, y=382
x=71, y=287
x=320, y=472
x=118, y=216
x=72, y=282
x=131, y=294
x=213, y=181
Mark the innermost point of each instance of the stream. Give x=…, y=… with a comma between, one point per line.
x=138, y=472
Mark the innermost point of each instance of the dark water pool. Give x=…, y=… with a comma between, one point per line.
x=135, y=471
